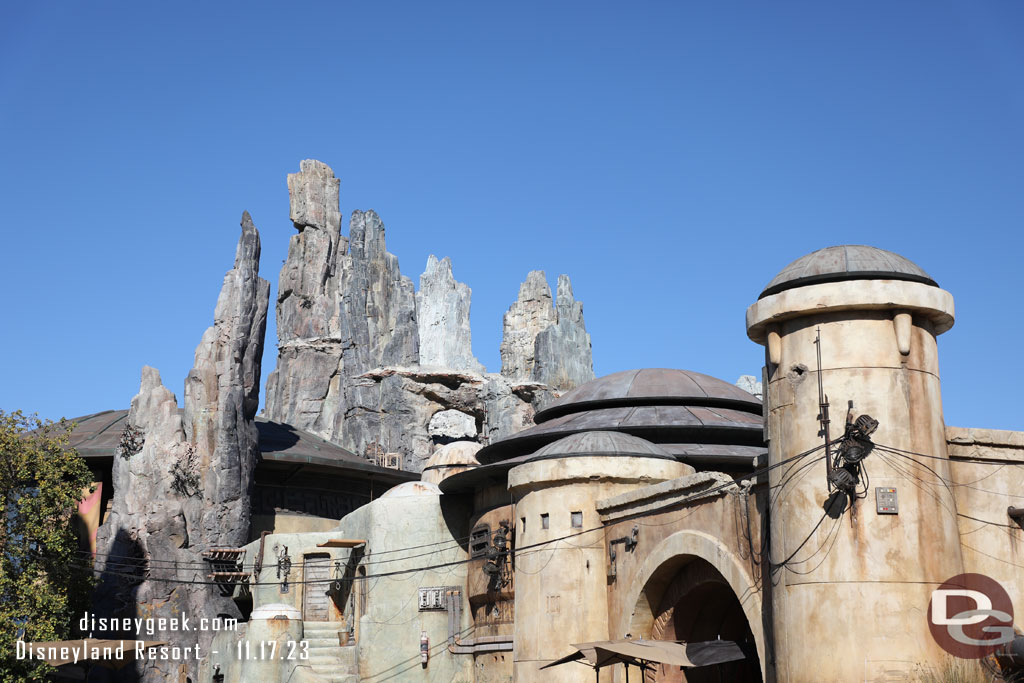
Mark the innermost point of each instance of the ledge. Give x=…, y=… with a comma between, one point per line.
x=695, y=487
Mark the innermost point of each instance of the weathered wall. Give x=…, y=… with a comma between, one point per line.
x=677, y=522
x=987, y=470
x=882, y=567
x=560, y=595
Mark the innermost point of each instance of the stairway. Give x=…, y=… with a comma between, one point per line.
x=327, y=659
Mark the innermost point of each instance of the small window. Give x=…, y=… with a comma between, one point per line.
x=577, y=520
x=479, y=540
x=524, y=523
x=545, y=521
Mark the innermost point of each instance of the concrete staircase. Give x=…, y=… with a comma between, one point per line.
x=327, y=658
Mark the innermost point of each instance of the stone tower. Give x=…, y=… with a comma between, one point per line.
x=851, y=582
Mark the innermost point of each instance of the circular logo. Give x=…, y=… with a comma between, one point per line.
x=970, y=616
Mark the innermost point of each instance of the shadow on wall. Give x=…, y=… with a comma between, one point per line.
x=116, y=592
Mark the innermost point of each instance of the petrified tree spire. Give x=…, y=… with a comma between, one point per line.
x=187, y=489
x=531, y=313
x=546, y=343
x=562, y=351
x=442, y=311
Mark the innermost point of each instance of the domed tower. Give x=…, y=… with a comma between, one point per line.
x=561, y=586
x=855, y=553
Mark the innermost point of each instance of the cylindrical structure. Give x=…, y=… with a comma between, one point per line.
x=851, y=587
x=561, y=585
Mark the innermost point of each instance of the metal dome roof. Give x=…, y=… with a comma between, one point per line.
x=648, y=387
x=601, y=444
x=694, y=417
x=846, y=262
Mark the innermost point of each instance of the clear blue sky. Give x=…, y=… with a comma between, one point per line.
x=670, y=157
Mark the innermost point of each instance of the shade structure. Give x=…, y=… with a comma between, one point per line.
x=644, y=652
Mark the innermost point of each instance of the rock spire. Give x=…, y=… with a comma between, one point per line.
x=185, y=486
x=543, y=342
x=442, y=311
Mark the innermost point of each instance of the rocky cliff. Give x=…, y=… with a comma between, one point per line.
x=182, y=485
x=367, y=362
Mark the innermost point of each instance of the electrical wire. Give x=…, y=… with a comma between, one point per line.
x=520, y=551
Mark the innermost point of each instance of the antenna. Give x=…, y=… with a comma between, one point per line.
x=823, y=413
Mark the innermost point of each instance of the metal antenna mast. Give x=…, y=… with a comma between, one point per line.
x=823, y=413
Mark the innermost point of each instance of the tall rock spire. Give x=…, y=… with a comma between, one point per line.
x=562, y=351
x=544, y=342
x=442, y=311
x=188, y=487
x=530, y=314
x=343, y=309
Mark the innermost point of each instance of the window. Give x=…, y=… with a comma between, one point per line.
x=545, y=521
x=577, y=520
x=479, y=540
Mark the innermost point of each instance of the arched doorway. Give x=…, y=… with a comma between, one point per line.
x=699, y=605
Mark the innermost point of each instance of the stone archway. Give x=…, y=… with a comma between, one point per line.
x=692, y=572
x=699, y=605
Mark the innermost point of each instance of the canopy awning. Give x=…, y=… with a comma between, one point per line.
x=644, y=652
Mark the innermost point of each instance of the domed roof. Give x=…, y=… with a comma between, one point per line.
x=450, y=458
x=650, y=386
x=696, y=418
x=846, y=262
x=602, y=444
x=455, y=454
x=412, y=488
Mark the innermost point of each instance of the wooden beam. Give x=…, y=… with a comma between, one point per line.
x=341, y=543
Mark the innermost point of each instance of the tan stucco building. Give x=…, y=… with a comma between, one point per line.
x=666, y=504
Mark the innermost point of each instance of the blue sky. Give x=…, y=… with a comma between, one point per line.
x=670, y=157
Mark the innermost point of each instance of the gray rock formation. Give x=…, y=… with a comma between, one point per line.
x=366, y=363
x=751, y=385
x=562, y=354
x=545, y=343
x=451, y=425
x=528, y=316
x=442, y=311
x=187, y=490
x=308, y=329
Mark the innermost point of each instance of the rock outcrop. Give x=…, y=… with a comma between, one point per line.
x=751, y=385
x=188, y=488
x=527, y=317
x=545, y=343
x=308, y=328
x=442, y=311
x=562, y=353
x=366, y=362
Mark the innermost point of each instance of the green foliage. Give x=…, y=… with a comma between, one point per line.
x=43, y=584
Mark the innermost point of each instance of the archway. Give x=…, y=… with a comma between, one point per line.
x=699, y=605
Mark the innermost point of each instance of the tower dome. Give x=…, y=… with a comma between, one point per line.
x=846, y=262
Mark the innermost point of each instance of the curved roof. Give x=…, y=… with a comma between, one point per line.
x=846, y=262
x=98, y=436
x=651, y=386
x=412, y=488
x=584, y=444
x=694, y=417
x=454, y=454
x=602, y=444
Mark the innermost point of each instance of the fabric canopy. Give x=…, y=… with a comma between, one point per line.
x=642, y=652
